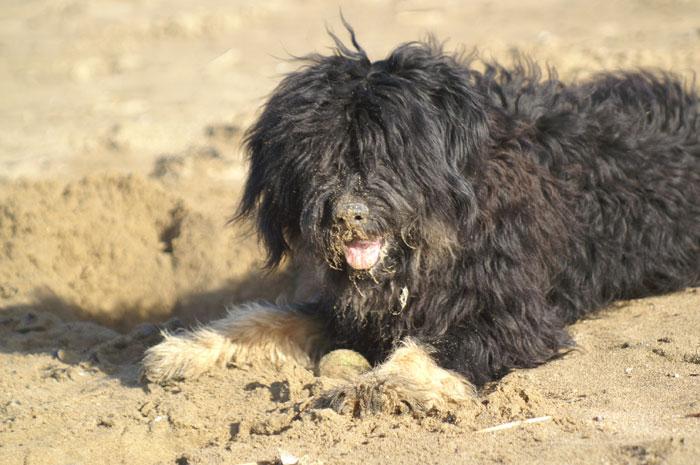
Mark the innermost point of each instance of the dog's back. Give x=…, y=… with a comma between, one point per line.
x=626, y=147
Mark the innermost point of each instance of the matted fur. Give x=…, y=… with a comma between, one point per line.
x=506, y=204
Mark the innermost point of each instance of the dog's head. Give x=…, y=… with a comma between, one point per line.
x=366, y=165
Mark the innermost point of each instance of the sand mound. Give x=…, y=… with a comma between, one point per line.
x=119, y=249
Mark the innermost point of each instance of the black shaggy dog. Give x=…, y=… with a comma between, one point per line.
x=461, y=218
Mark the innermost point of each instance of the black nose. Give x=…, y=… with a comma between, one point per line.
x=350, y=213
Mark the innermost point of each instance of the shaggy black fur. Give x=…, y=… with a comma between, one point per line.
x=507, y=203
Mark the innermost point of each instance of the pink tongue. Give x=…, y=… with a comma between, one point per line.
x=363, y=254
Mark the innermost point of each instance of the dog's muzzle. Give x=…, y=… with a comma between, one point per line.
x=361, y=252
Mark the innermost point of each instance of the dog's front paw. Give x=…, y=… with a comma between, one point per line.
x=370, y=396
x=179, y=356
x=163, y=362
x=408, y=382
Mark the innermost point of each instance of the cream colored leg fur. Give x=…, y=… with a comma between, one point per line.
x=249, y=333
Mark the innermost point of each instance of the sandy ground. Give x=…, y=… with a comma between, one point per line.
x=120, y=124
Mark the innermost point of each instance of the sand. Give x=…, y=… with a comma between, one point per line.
x=120, y=166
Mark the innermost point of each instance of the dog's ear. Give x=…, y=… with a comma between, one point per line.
x=260, y=200
x=461, y=105
x=466, y=133
x=455, y=101
x=290, y=126
x=457, y=118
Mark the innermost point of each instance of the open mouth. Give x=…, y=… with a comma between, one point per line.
x=363, y=254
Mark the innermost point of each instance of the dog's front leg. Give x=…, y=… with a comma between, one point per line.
x=409, y=381
x=249, y=333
